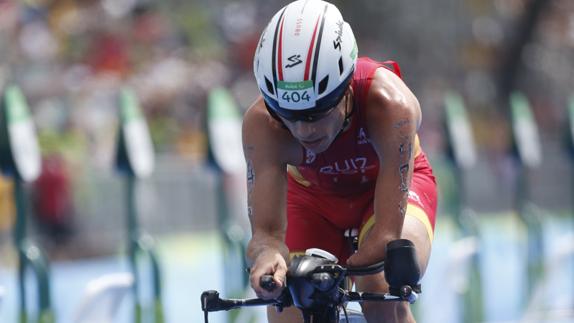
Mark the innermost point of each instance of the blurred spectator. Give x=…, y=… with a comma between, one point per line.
x=6, y=204
x=108, y=53
x=53, y=204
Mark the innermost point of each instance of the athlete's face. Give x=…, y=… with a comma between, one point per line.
x=317, y=136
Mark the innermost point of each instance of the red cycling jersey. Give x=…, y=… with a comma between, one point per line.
x=334, y=190
x=350, y=165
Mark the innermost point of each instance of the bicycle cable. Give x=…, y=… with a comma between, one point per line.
x=346, y=315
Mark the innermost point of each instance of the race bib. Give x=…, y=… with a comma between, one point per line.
x=296, y=95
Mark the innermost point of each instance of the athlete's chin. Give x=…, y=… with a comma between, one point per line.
x=316, y=150
x=317, y=147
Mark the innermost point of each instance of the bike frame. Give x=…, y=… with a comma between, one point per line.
x=315, y=285
x=328, y=313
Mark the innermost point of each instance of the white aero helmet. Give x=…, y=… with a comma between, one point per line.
x=305, y=60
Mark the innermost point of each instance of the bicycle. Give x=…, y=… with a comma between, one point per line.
x=318, y=286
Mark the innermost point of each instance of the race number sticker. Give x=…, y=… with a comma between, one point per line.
x=296, y=95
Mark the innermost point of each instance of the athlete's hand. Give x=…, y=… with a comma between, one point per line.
x=269, y=262
x=371, y=250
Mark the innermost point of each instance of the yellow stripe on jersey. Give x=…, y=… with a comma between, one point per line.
x=412, y=210
x=294, y=172
x=418, y=149
x=420, y=214
x=294, y=254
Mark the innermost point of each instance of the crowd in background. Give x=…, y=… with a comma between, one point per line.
x=71, y=57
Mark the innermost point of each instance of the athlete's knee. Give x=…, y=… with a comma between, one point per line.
x=288, y=315
x=372, y=283
x=377, y=312
x=416, y=232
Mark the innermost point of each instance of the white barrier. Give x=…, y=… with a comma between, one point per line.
x=543, y=295
x=459, y=262
x=102, y=298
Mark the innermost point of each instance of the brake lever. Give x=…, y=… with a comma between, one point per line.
x=330, y=268
x=268, y=283
x=284, y=300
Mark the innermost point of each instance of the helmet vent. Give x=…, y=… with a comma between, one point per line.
x=269, y=86
x=341, y=65
x=323, y=84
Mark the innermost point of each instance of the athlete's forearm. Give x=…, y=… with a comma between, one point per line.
x=266, y=242
x=393, y=186
x=391, y=194
x=393, y=121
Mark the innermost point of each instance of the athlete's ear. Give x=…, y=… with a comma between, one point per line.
x=351, y=93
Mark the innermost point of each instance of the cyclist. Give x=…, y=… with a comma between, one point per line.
x=332, y=145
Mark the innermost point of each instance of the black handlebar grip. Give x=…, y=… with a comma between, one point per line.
x=268, y=283
x=401, y=266
x=210, y=300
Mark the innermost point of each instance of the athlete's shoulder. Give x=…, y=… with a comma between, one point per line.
x=257, y=116
x=261, y=129
x=388, y=94
x=256, y=113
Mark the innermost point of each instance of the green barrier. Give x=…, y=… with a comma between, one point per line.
x=527, y=149
x=224, y=132
x=20, y=159
x=526, y=141
x=571, y=138
x=459, y=133
x=571, y=148
x=134, y=159
x=226, y=155
x=569, y=134
x=571, y=125
x=462, y=155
